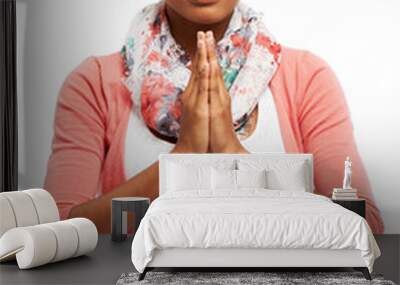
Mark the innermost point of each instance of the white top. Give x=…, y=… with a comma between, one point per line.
x=142, y=147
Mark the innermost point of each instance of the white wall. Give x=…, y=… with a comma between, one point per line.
x=359, y=38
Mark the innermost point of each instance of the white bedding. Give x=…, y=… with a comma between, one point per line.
x=251, y=218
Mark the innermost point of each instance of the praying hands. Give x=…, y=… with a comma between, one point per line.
x=206, y=123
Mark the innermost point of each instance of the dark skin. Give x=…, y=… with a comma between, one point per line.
x=186, y=19
x=206, y=123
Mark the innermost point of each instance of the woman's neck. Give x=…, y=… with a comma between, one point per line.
x=185, y=32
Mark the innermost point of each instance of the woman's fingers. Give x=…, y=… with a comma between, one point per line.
x=217, y=85
x=202, y=70
x=203, y=86
x=202, y=52
x=214, y=66
x=191, y=86
x=211, y=51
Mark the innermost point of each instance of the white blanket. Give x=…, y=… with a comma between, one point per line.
x=250, y=218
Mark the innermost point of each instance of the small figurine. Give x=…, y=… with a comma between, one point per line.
x=347, y=174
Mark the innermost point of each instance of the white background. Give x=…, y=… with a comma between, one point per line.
x=360, y=39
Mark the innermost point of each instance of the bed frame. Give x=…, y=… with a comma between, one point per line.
x=245, y=259
x=234, y=259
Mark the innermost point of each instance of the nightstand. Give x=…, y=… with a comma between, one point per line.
x=119, y=216
x=357, y=206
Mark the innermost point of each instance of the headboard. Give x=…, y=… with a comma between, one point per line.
x=217, y=159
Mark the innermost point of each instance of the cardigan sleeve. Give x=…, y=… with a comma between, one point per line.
x=78, y=146
x=327, y=133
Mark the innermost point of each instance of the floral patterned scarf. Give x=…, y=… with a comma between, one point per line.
x=157, y=68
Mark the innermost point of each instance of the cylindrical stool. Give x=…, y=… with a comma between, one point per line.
x=119, y=216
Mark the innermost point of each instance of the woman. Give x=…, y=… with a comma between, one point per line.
x=194, y=76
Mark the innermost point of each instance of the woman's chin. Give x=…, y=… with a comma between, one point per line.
x=205, y=20
x=203, y=12
x=205, y=16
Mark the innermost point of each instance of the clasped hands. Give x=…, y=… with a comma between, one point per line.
x=206, y=122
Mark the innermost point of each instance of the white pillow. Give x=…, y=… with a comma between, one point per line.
x=182, y=177
x=223, y=179
x=281, y=174
x=251, y=178
x=228, y=179
x=290, y=178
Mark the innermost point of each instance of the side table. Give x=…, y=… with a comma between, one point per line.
x=357, y=206
x=119, y=216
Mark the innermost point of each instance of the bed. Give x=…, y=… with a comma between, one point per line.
x=247, y=211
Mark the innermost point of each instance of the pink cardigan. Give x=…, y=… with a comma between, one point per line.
x=93, y=110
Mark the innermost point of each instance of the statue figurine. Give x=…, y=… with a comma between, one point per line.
x=347, y=174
